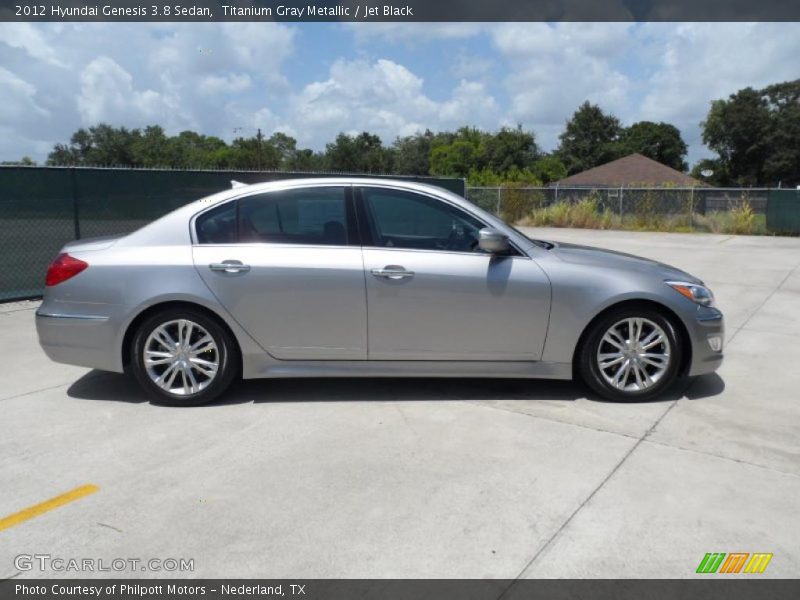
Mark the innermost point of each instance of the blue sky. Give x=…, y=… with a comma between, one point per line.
x=313, y=80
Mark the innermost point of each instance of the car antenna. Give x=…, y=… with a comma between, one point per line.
x=237, y=184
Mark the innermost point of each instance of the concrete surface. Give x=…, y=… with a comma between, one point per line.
x=426, y=478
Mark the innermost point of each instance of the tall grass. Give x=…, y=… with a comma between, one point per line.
x=588, y=214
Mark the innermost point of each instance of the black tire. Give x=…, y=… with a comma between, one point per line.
x=587, y=359
x=225, y=354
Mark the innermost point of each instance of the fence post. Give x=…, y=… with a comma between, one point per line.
x=620, y=205
x=75, y=218
x=497, y=208
x=691, y=210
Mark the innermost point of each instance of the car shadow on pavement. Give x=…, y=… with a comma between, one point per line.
x=114, y=387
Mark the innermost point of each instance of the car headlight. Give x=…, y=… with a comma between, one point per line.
x=693, y=291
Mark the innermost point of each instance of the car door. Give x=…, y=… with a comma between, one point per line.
x=432, y=294
x=287, y=265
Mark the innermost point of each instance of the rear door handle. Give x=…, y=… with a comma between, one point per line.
x=230, y=266
x=393, y=272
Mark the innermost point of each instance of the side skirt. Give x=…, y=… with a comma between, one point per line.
x=407, y=368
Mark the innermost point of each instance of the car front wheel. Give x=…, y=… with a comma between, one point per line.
x=631, y=354
x=182, y=357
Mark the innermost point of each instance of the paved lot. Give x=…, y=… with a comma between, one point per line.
x=427, y=478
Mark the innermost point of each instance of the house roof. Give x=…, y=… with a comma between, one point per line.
x=631, y=171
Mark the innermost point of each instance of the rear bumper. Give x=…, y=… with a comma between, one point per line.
x=706, y=329
x=78, y=339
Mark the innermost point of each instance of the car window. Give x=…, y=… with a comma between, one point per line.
x=315, y=216
x=217, y=226
x=401, y=219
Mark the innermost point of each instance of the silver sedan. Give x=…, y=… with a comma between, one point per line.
x=356, y=277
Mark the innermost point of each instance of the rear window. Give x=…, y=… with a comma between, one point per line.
x=316, y=216
x=217, y=226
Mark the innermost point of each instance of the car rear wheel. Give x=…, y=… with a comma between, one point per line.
x=632, y=353
x=182, y=357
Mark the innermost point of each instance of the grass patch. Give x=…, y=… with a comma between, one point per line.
x=588, y=214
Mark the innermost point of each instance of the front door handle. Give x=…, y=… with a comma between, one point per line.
x=230, y=266
x=393, y=272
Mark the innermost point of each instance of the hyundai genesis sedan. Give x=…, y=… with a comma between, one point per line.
x=358, y=277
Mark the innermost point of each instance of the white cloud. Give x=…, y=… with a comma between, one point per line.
x=18, y=99
x=555, y=68
x=225, y=84
x=409, y=33
x=386, y=98
x=107, y=94
x=30, y=39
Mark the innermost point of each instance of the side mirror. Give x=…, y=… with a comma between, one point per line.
x=492, y=241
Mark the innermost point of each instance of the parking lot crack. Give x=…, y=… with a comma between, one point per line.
x=551, y=419
x=722, y=457
x=764, y=302
x=44, y=389
x=586, y=501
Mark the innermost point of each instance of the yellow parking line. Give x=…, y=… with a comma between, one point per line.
x=47, y=505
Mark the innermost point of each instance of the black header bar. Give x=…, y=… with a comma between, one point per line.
x=400, y=11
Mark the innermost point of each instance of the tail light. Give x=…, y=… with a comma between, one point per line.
x=62, y=268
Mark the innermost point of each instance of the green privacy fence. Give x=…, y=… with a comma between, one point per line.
x=42, y=208
x=783, y=211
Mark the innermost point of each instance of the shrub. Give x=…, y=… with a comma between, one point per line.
x=742, y=218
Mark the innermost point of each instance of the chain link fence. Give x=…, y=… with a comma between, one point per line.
x=43, y=208
x=713, y=210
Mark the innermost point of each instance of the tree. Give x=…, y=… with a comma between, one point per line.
x=412, y=154
x=659, y=141
x=506, y=149
x=454, y=160
x=589, y=139
x=549, y=168
x=151, y=148
x=25, y=161
x=737, y=129
x=756, y=134
x=99, y=145
x=363, y=153
x=191, y=150
x=782, y=164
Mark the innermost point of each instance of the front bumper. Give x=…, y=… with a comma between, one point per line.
x=83, y=340
x=707, y=332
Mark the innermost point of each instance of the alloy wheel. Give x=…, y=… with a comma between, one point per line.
x=633, y=354
x=181, y=357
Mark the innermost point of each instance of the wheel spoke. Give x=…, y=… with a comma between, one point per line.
x=185, y=333
x=648, y=381
x=153, y=359
x=655, y=360
x=204, y=367
x=609, y=360
x=612, y=337
x=638, y=376
x=187, y=372
x=622, y=373
x=163, y=337
x=167, y=377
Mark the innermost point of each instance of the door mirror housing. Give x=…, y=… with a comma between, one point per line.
x=492, y=241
